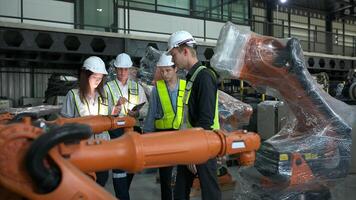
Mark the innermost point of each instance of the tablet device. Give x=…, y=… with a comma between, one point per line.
x=138, y=106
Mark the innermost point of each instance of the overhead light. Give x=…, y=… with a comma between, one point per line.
x=99, y=9
x=282, y=1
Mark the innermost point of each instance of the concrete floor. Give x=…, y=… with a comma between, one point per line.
x=144, y=187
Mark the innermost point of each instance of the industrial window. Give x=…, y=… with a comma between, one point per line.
x=232, y=10
x=235, y=11
x=140, y=4
x=98, y=14
x=174, y=6
x=207, y=8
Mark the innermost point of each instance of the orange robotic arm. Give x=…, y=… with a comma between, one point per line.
x=61, y=177
x=192, y=146
x=5, y=117
x=99, y=123
x=315, y=145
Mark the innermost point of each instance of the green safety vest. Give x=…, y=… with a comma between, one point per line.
x=170, y=120
x=115, y=92
x=188, y=89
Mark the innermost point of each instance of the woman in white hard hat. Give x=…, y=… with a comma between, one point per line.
x=125, y=94
x=164, y=112
x=89, y=99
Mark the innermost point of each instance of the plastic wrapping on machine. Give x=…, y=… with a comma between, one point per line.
x=59, y=84
x=233, y=113
x=313, y=149
x=111, y=71
x=147, y=71
x=35, y=111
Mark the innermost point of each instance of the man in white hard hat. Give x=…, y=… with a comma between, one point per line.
x=200, y=110
x=165, y=112
x=124, y=94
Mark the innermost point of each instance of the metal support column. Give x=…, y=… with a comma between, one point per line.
x=270, y=4
x=329, y=34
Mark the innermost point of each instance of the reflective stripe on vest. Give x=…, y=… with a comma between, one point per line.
x=115, y=92
x=188, y=89
x=84, y=110
x=83, y=107
x=170, y=120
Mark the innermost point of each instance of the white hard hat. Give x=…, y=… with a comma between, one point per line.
x=123, y=61
x=95, y=65
x=165, y=60
x=178, y=38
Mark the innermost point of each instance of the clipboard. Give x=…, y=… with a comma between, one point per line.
x=138, y=106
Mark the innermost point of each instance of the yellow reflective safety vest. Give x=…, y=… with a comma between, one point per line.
x=83, y=108
x=188, y=89
x=170, y=119
x=116, y=93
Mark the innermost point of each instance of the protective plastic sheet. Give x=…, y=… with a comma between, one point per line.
x=147, y=71
x=232, y=112
x=59, y=84
x=313, y=149
x=111, y=71
x=38, y=111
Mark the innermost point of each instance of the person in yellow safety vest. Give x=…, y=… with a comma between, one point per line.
x=89, y=99
x=124, y=94
x=165, y=112
x=200, y=110
x=123, y=91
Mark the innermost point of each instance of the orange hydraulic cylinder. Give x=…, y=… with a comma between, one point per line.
x=99, y=123
x=5, y=117
x=134, y=152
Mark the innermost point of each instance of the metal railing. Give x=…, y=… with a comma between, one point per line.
x=312, y=39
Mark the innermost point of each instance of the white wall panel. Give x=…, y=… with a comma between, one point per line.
x=350, y=29
x=258, y=11
x=49, y=10
x=164, y=23
x=10, y=8
x=298, y=18
x=39, y=9
x=280, y=16
x=120, y=21
x=213, y=29
x=337, y=25
x=317, y=22
x=147, y=21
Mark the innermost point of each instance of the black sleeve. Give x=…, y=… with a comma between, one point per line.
x=206, y=99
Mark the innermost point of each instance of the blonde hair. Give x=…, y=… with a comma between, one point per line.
x=192, y=49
